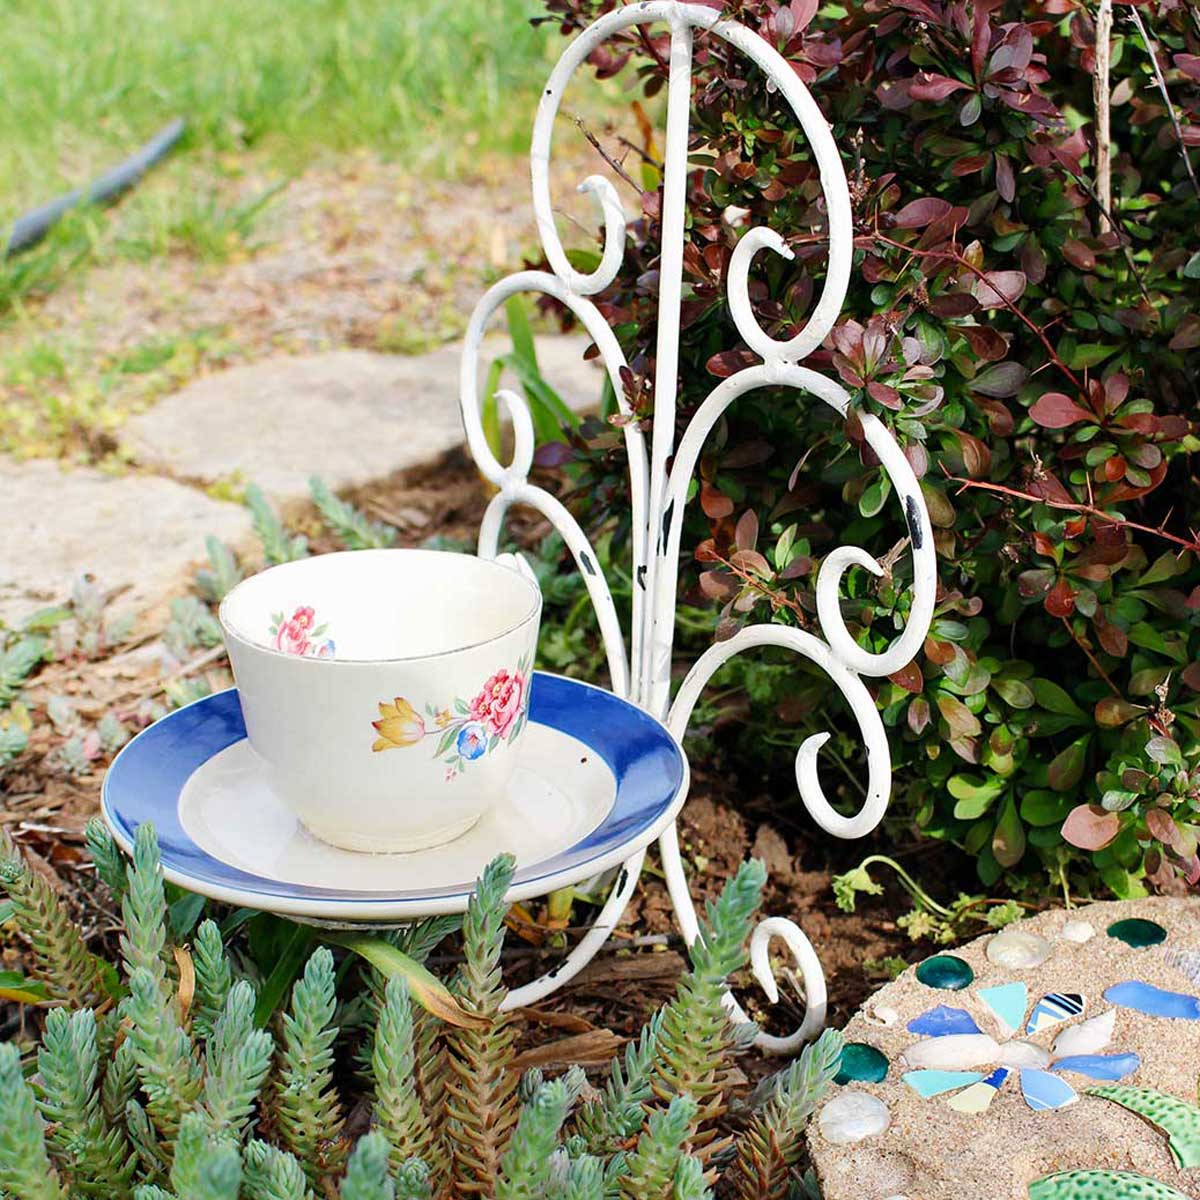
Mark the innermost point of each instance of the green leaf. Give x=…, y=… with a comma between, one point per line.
x=974, y=795
x=1015, y=692
x=184, y=912
x=290, y=962
x=875, y=496
x=1164, y=750
x=425, y=987
x=1008, y=842
x=1051, y=696
x=1043, y=808
x=1088, y=355
x=489, y=409
x=1066, y=770
x=46, y=619
x=520, y=331
x=1166, y=566
x=16, y=987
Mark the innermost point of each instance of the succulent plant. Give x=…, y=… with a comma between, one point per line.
x=163, y=1086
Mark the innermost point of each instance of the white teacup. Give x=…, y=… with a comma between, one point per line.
x=386, y=690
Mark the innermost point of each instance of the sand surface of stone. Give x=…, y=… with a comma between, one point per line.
x=932, y=1152
x=350, y=416
x=137, y=533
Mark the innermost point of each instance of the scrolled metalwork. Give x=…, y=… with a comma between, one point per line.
x=660, y=478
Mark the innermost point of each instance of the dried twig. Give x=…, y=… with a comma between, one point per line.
x=1152, y=51
x=594, y=141
x=1102, y=98
x=1087, y=510
x=648, y=159
x=1112, y=687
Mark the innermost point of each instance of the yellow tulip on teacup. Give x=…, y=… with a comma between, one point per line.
x=386, y=690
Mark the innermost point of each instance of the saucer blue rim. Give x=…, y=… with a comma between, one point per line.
x=146, y=778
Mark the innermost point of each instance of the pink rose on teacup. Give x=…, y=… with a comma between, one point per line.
x=291, y=636
x=499, y=703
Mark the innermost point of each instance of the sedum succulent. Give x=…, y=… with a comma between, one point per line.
x=146, y=1090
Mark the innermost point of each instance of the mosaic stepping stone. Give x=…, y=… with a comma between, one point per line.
x=1089, y=1022
x=1156, y=1001
x=1137, y=932
x=1179, y=1120
x=1101, y=1185
x=947, y=972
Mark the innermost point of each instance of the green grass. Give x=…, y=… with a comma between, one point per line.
x=83, y=82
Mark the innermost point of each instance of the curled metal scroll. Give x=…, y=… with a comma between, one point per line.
x=660, y=480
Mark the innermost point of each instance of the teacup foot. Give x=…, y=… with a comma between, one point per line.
x=371, y=845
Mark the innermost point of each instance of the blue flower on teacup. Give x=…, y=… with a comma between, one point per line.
x=472, y=742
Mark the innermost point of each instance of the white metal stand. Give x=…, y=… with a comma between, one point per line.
x=660, y=475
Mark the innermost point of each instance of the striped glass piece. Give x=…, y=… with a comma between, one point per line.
x=1052, y=1009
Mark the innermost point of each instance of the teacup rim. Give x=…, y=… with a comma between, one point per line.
x=231, y=632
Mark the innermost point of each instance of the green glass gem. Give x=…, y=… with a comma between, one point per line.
x=861, y=1064
x=946, y=971
x=1137, y=932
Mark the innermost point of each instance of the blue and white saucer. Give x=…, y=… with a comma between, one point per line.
x=598, y=780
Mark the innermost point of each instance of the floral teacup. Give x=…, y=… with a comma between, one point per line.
x=385, y=690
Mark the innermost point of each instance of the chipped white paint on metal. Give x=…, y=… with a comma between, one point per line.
x=661, y=473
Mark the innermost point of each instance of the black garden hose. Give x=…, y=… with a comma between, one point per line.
x=34, y=226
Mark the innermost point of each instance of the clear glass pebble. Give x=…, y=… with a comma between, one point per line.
x=1079, y=931
x=852, y=1116
x=1018, y=949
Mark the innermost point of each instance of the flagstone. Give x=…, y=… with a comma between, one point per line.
x=350, y=416
x=136, y=533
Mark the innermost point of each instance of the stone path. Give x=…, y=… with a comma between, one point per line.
x=350, y=416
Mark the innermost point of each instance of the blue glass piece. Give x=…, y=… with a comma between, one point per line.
x=1156, y=1002
x=934, y=1083
x=1008, y=1001
x=943, y=1021
x=1051, y=1009
x=1099, y=1066
x=1043, y=1090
